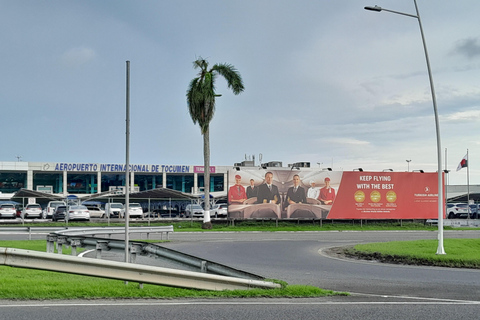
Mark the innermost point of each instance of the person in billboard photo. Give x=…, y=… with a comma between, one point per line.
x=252, y=191
x=327, y=193
x=313, y=192
x=236, y=193
x=295, y=194
x=267, y=192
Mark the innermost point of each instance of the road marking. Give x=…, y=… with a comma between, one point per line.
x=246, y=303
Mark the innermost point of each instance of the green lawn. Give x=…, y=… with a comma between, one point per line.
x=259, y=225
x=463, y=253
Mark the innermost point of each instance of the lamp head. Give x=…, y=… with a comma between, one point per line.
x=376, y=8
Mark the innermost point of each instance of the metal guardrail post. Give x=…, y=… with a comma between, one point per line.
x=60, y=242
x=74, y=243
x=101, y=245
x=51, y=243
x=133, y=254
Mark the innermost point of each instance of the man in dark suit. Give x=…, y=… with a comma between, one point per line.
x=267, y=192
x=295, y=194
x=252, y=191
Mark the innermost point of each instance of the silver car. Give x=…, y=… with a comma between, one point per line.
x=78, y=213
x=32, y=210
x=194, y=210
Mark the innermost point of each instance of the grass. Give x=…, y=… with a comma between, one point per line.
x=461, y=253
x=30, y=284
x=261, y=225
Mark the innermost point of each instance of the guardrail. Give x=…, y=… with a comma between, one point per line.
x=83, y=238
x=99, y=245
x=88, y=231
x=126, y=271
x=30, y=230
x=116, y=230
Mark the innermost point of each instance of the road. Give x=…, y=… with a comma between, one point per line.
x=378, y=290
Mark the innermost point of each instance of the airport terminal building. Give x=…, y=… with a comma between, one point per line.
x=83, y=179
x=87, y=179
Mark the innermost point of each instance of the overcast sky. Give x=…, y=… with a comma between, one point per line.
x=326, y=82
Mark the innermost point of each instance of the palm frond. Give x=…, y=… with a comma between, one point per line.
x=201, y=91
x=231, y=75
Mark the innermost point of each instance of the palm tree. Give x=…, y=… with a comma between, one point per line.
x=201, y=105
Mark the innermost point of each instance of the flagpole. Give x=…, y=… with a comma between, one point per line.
x=446, y=171
x=468, y=186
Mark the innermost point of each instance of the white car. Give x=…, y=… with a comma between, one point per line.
x=457, y=210
x=32, y=210
x=8, y=211
x=134, y=211
x=78, y=212
x=219, y=210
x=51, y=207
x=113, y=209
x=96, y=212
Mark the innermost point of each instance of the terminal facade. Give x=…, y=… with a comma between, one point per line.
x=82, y=179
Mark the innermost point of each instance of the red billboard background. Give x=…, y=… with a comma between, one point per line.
x=386, y=195
x=355, y=195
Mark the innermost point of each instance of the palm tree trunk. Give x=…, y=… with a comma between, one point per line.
x=206, y=178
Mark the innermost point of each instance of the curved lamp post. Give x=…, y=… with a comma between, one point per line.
x=440, y=249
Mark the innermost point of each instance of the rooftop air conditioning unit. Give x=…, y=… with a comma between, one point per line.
x=276, y=164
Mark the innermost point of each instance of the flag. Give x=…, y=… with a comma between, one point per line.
x=463, y=163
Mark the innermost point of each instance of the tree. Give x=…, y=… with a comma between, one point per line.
x=201, y=106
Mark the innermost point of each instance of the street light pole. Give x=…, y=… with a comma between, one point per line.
x=440, y=249
x=408, y=165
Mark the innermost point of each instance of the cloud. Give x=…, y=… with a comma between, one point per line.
x=468, y=115
x=76, y=57
x=347, y=141
x=469, y=48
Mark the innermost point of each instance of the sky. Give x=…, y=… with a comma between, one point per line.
x=326, y=82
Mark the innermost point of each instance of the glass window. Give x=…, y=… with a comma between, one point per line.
x=82, y=183
x=55, y=180
x=148, y=182
x=216, y=182
x=112, y=180
x=183, y=183
x=11, y=182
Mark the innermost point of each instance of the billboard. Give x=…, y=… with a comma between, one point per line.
x=287, y=193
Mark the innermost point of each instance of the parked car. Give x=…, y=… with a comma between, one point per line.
x=457, y=210
x=51, y=207
x=32, y=210
x=134, y=210
x=96, y=212
x=60, y=213
x=474, y=211
x=219, y=210
x=164, y=212
x=8, y=211
x=194, y=210
x=170, y=213
x=113, y=209
x=78, y=212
